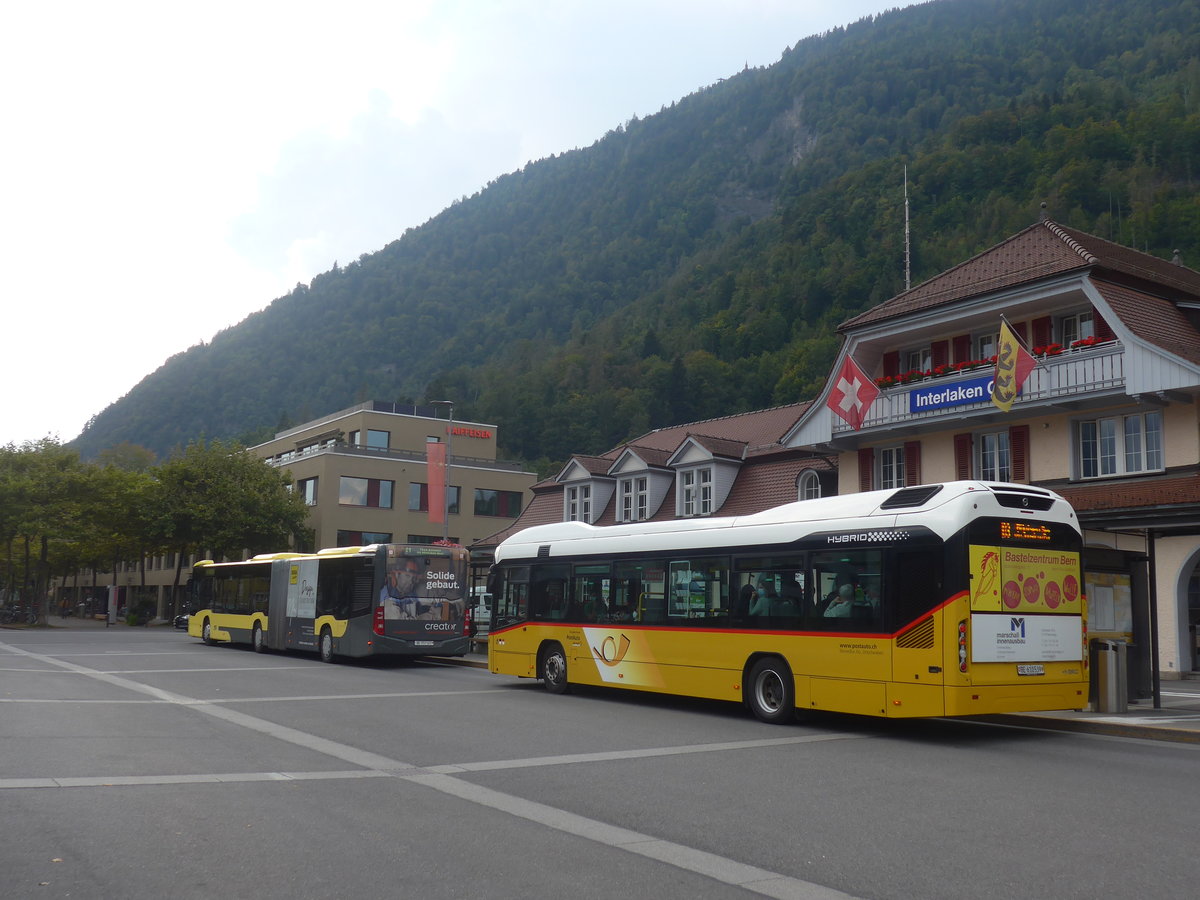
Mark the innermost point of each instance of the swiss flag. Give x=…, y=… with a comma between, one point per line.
x=853, y=393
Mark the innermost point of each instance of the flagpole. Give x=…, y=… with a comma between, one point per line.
x=1020, y=340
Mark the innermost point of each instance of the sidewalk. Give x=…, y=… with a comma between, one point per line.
x=1178, y=718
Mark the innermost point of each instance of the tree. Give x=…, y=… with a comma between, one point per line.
x=217, y=497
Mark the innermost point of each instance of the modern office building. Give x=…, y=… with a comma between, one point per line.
x=366, y=475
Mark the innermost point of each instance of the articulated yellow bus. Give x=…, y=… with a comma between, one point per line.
x=936, y=600
x=397, y=599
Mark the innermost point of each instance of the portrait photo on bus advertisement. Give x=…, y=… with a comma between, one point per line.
x=423, y=589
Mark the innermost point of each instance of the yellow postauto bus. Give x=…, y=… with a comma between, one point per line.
x=397, y=599
x=949, y=599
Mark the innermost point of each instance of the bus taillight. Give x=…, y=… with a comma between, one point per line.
x=1086, y=660
x=377, y=623
x=962, y=646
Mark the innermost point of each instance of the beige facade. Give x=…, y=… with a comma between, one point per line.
x=1108, y=416
x=365, y=473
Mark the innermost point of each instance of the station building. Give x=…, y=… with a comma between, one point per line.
x=1107, y=417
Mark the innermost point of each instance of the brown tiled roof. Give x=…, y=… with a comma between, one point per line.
x=1154, y=319
x=764, y=426
x=720, y=446
x=545, y=507
x=1039, y=251
x=595, y=465
x=1148, y=493
x=760, y=487
x=1127, y=261
x=651, y=456
x=759, y=432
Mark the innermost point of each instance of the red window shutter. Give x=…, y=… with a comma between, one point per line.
x=1043, y=331
x=939, y=353
x=866, y=469
x=1021, y=330
x=912, y=463
x=1018, y=447
x=891, y=363
x=963, y=469
x=962, y=348
x=1103, y=331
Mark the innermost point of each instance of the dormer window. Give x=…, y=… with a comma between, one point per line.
x=579, y=503
x=635, y=498
x=695, y=492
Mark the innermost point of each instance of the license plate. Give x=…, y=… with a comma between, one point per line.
x=422, y=643
x=1031, y=669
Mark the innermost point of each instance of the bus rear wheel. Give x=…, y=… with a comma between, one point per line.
x=325, y=646
x=770, y=691
x=258, y=642
x=206, y=633
x=554, y=669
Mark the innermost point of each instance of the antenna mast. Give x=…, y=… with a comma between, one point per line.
x=907, y=255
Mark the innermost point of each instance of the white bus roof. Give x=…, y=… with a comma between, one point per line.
x=943, y=508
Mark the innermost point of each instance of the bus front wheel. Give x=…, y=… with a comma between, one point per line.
x=554, y=669
x=325, y=646
x=771, y=693
x=259, y=642
x=206, y=633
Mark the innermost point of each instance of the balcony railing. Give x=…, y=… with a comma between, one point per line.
x=1099, y=369
x=407, y=455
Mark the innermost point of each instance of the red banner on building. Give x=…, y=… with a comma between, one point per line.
x=852, y=394
x=435, y=455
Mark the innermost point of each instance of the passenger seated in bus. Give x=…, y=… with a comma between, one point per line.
x=595, y=609
x=842, y=605
x=769, y=603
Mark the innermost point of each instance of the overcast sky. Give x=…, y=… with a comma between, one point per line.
x=168, y=169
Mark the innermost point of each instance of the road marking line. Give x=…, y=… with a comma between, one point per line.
x=727, y=871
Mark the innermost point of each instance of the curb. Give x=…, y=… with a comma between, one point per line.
x=1113, y=729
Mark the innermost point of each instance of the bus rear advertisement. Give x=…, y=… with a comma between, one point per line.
x=961, y=598
x=382, y=599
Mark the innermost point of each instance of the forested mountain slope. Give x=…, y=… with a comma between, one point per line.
x=696, y=262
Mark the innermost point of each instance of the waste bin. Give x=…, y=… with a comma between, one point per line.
x=1110, y=685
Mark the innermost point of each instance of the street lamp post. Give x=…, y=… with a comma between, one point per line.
x=446, y=484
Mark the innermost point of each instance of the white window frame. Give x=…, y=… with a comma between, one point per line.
x=889, y=466
x=993, y=459
x=1076, y=327
x=921, y=359
x=579, y=503
x=987, y=345
x=808, y=486
x=1127, y=444
x=696, y=491
x=635, y=494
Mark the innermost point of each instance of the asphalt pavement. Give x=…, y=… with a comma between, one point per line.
x=1176, y=718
